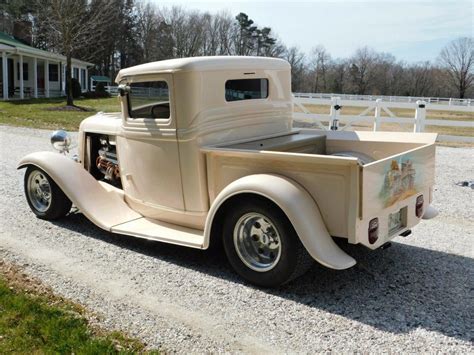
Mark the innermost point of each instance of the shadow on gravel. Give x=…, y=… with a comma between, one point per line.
x=396, y=290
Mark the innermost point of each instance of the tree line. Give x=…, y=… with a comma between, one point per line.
x=115, y=34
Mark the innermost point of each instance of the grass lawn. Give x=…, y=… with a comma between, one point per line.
x=37, y=113
x=33, y=321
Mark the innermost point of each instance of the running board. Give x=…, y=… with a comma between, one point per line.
x=162, y=232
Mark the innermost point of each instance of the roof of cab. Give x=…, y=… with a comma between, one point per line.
x=204, y=64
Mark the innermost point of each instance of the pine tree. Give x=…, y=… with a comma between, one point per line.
x=246, y=34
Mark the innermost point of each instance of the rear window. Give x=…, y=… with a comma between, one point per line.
x=246, y=89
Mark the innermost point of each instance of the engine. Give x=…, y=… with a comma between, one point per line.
x=106, y=160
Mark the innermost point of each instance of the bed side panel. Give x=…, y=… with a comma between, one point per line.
x=331, y=181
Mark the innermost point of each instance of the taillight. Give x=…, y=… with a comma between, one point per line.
x=419, y=206
x=373, y=230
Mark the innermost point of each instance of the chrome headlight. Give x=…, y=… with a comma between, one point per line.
x=61, y=141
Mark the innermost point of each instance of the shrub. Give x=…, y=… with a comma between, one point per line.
x=76, y=88
x=100, y=87
x=96, y=95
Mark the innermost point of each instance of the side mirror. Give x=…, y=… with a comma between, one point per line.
x=123, y=89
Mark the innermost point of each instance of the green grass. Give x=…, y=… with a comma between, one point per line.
x=32, y=323
x=37, y=113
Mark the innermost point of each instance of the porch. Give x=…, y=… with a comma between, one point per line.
x=27, y=72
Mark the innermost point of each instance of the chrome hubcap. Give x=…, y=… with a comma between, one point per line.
x=257, y=242
x=39, y=191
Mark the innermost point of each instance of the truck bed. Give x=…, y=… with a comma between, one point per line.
x=348, y=192
x=377, y=145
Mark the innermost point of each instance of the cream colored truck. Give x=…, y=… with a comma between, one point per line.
x=204, y=150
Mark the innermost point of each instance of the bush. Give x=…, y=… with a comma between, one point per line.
x=76, y=88
x=100, y=92
x=100, y=87
x=96, y=95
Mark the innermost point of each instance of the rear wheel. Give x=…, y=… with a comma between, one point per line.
x=45, y=198
x=262, y=245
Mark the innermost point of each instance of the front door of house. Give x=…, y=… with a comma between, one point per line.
x=11, y=78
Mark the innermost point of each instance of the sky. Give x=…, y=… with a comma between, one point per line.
x=411, y=30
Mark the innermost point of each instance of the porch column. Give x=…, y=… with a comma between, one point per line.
x=35, y=78
x=20, y=64
x=5, y=75
x=46, y=78
x=64, y=78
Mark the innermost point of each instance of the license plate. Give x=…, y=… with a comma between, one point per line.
x=394, y=222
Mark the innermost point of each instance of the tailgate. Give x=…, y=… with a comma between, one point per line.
x=389, y=181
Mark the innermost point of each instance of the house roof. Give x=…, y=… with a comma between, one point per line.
x=11, y=43
x=205, y=64
x=101, y=78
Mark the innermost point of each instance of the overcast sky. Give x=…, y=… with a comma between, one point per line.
x=411, y=30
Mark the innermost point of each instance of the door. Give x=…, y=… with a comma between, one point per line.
x=11, y=78
x=148, y=148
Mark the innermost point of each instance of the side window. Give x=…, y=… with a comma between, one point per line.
x=149, y=100
x=246, y=89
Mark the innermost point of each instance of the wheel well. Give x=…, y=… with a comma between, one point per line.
x=218, y=220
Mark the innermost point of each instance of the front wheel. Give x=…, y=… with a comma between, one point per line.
x=262, y=245
x=45, y=198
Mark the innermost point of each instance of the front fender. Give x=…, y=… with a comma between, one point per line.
x=105, y=208
x=299, y=207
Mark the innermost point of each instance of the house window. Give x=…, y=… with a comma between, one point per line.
x=25, y=71
x=53, y=72
x=246, y=89
x=75, y=73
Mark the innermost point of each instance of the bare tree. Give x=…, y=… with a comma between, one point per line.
x=148, y=29
x=226, y=33
x=319, y=62
x=458, y=58
x=71, y=25
x=338, y=76
x=362, y=69
x=420, y=79
x=186, y=31
x=297, y=61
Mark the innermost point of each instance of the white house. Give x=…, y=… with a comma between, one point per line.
x=43, y=72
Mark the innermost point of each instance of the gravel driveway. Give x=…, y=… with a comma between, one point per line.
x=415, y=296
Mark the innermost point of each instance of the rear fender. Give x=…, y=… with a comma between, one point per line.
x=299, y=207
x=104, y=207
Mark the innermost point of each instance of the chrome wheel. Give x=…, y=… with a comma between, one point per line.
x=39, y=191
x=257, y=242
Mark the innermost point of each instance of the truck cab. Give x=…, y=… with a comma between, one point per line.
x=204, y=149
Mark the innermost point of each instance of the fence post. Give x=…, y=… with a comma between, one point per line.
x=378, y=110
x=420, y=116
x=334, y=122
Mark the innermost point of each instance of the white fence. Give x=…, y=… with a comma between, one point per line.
x=112, y=89
x=429, y=100
x=141, y=91
x=375, y=112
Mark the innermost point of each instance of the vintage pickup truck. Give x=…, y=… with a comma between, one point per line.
x=204, y=150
